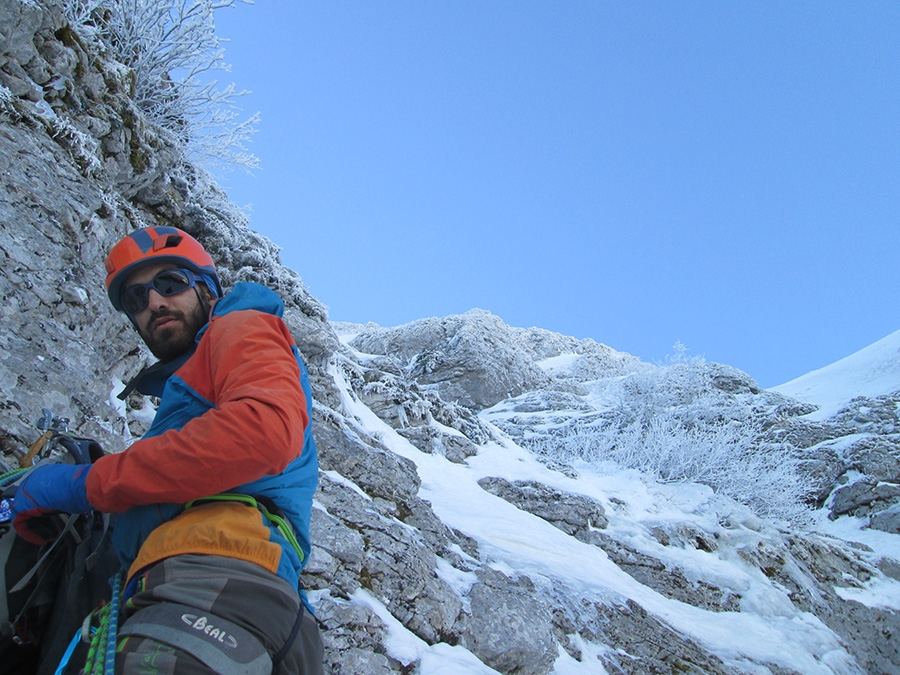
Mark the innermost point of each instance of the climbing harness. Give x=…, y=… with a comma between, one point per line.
x=269, y=513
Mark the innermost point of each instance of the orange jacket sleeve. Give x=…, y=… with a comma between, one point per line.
x=245, y=368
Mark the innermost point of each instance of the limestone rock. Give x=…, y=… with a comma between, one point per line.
x=887, y=520
x=508, y=628
x=573, y=514
x=463, y=357
x=864, y=497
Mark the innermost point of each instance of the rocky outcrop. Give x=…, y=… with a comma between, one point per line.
x=573, y=514
x=463, y=360
x=508, y=627
x=477, y=360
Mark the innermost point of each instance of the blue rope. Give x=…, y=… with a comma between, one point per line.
x=68, y=655
x=111, y=638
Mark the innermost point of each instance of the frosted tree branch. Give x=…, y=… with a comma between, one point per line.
x=171, y=45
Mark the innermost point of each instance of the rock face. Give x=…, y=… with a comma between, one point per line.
x=573, y=514
x=80, y=168
x=477, y=360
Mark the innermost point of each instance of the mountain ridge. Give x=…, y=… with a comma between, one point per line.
x=871, y=371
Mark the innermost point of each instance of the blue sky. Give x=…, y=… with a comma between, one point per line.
x=726, y=175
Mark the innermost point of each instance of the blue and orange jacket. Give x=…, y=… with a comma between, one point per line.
x=234, y=416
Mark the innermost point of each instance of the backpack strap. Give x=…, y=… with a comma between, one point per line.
x=6, y=544
x=286, y=647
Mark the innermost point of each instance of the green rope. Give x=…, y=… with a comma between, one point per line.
x=98, y=636
x=9, y=476
x=101, y=656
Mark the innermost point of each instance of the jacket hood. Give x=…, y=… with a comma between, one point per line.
x=249, y=295
x=245, y=295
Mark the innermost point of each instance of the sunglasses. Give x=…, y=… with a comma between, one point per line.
x=169, y=282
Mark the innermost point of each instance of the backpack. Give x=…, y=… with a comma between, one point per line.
x=46, y=592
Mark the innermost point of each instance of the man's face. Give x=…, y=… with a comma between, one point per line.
x=168, y=324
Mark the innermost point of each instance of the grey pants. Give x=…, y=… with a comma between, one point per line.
x=201, y=614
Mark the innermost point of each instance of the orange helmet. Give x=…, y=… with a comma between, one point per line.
x=153, y=245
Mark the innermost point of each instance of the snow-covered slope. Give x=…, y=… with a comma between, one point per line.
x=754, y=624
x=872, y=371
x=693, y=558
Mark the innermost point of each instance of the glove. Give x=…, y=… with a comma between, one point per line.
x=48, y=490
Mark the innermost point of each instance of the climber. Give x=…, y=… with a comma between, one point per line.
x=213, y=503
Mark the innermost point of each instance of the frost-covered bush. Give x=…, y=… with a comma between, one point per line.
x=674, y=424
x=171, y=47
x=696, y=391
x=727, y=457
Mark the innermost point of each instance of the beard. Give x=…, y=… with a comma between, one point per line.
x=175, y=338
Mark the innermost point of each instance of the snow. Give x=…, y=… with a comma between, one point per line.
x=590, y=654
x=769, y=629
x=338, y=478
x=880, y=593
x=461, y=582
x=870, y=372
x=403, y=645
x=144, y=414
x=114, y=401
x=848, y=528
x=559, y=365
x=346, y=332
